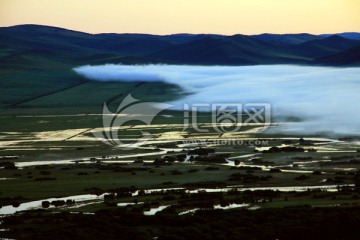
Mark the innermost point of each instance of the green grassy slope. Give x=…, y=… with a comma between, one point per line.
x=36, y=65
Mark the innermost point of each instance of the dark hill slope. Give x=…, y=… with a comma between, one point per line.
x=290, y=39
x=45, y=47
x=349, y=57
x=234, y=50
x=323, y=47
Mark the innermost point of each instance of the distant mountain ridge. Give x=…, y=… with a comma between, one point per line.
x=286, y=38
x=34, y=45
x=348, y=35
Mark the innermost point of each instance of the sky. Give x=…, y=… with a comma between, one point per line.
x=187, y=16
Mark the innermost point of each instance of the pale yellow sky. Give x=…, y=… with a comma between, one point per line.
x=187, y=16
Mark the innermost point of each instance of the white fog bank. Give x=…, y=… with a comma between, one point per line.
x=327, y=98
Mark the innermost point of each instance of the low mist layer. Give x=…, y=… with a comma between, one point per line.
x=326, y=98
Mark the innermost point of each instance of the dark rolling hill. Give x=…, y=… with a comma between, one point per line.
x=233, y=50
x=36, y=46
x=349, y=57
x=323, y=47
x=74, y=43
x=290, y=39
x=130, y=44
x=185, y=37
x=36, y=61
